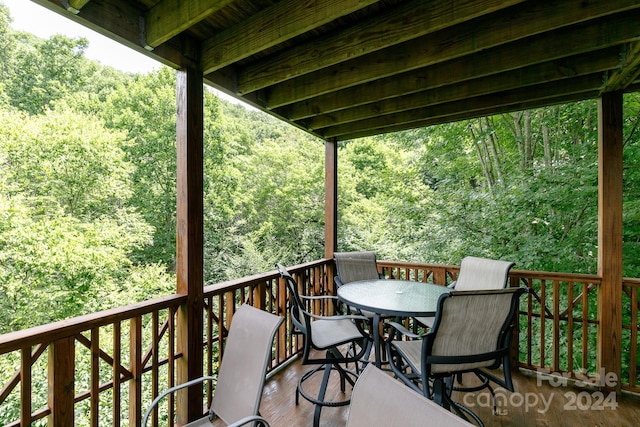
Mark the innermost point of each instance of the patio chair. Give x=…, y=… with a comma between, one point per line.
x=477, y=274
x=241, y=376
x=380, y=400
x=333, y=335
x=472, y=330
x=353, y=266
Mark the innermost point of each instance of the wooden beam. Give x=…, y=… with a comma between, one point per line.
x=189, y=243
x=610, y=147
x=575, y=40
x=590, y=83
x=122, y=21
x=540, y=74
x=628, y=72
x=331, y=198
x=74, y=6
x=282, y=21
x=465, y=115
x=403, y=23
x=169, y=18
x=454, y=42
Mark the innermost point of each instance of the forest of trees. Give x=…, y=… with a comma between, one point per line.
x=88, y=183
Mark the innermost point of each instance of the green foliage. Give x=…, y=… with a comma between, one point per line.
x=264, y=196
x=88, y=188
x=46, y=70
x=144, y=108
x=66, y=231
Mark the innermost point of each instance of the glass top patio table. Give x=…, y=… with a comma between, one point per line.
x=388, y=297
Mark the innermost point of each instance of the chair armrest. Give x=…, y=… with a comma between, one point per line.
x=337, y=302
x=249, y=419
x=172, y=390
x=337, y=281
x=400, y=329
x=339, y=317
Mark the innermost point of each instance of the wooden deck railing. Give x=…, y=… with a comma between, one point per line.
x=108, y=366
x=558, y=320
x=105, y=368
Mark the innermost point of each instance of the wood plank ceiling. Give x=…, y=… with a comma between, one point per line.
x=349, y=68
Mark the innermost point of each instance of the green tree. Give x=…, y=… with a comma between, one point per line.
x=46, y=70
x=144, y=108
x=66, y=231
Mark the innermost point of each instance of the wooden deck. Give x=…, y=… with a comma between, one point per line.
x=562, y=406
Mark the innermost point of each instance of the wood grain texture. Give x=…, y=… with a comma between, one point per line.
x=610, y=147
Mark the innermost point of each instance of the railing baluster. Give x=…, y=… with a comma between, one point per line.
x=95, y=377
x=585, y=326
x=209, y=344
x=26, y=362
x=135, y=361
x=570, y=286
x=115, y=372
x=633, y=352
x=556, y=327
x=155, y=328
x=171, y=349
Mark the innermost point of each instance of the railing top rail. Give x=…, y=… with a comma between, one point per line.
x=70, y=327
x=403, y=264
x=65, y=328
x=630, y=281
x=259, y=278
x=577, y=277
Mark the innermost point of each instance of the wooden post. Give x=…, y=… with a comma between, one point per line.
x=62, y=382
x=610, y=235
x=189, y=240
x=331, y=198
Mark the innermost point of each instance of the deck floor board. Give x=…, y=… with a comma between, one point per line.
x=278, y=404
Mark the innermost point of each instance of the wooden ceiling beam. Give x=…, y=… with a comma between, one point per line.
x=566, y=44
x=628, y=73
x=466, y=115
x=594, y=62
x=74, y=6
x=589, y=83
x=406, y=22
x=457, y=41
x=120, y=20
x=276, y=24
x=168, y=18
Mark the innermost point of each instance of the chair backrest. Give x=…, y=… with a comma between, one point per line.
x=482, y=273
x=380, y=400
x=353, y=266
x=244, y=364
x=472, y=329
x=296, y=306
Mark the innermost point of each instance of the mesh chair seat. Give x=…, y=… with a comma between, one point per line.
x=326, y=333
